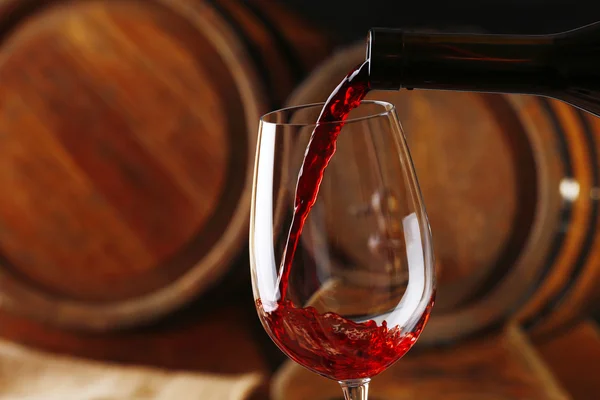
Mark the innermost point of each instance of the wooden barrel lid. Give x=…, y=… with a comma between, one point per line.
x=127, y=135
x=489, y=172
x=570, y=289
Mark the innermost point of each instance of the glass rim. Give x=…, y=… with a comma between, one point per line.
x=388, y=109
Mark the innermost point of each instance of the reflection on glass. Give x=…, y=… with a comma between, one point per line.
x=353, y=307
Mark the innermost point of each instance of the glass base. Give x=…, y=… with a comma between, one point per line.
x=356, y=389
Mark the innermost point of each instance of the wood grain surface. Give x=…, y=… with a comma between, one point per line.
x=574, y=359
x=218, y=333
x=127, y=140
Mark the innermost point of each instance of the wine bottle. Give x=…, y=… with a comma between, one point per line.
x=564, y=66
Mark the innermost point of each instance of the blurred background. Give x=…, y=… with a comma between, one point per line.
x=127, y=137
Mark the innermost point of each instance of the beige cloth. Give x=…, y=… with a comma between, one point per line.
x=31, y=375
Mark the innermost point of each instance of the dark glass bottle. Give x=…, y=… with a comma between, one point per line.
x=565, y=66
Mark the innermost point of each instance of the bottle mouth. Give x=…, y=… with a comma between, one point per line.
x=384, y=52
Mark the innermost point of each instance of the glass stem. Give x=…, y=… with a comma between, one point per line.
x=356, y=389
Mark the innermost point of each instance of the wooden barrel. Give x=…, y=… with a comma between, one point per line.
x=568, y=291
x=510, y=184
x=127, y=140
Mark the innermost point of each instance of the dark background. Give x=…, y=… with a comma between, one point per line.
x=350, y=19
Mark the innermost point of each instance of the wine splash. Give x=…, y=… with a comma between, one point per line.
x=336, y=347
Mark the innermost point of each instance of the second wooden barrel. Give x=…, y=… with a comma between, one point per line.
x=511, y=187
x=127, y=140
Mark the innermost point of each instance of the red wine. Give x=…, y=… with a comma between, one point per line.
x=328, y=343
x=321, y=147
x=335, y=347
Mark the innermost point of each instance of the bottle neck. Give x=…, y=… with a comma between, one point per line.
x=464, y=62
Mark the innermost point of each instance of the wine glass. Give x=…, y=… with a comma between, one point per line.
x=361, y=285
